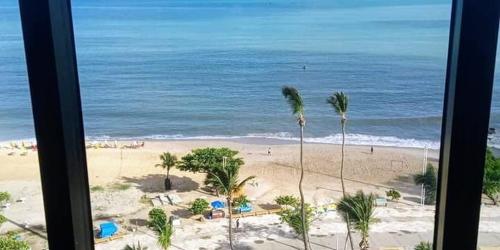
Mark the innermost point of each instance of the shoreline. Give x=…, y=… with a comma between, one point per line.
x=236, y=139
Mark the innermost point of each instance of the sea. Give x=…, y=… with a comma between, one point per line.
x=214, y=69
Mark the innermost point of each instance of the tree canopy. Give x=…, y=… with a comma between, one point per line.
x=206, y=160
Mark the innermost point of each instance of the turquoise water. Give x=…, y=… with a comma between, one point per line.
x=200, y=69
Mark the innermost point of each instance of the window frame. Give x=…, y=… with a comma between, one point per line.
x=55, y=96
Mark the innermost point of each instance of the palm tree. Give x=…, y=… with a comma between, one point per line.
x=168, y=160
x=339, y=102
x=293, y=98
x=228, y=184
x=359, y=210
x=429, y=180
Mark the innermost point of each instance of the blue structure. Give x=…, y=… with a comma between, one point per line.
x=108, y=229
x=247, y=207
x=217, y=204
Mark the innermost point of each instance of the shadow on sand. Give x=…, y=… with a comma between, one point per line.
x=154, y=183
x=404, y=184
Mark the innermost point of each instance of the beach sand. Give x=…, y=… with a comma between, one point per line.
x=277, y=174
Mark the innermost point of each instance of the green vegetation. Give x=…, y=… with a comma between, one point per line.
x=199, y=206
x=292, y=214
x=2, y=219
x=134, y=247
x=120, y=186
x=358, y=210
x=227, y=182
x=294, y=99
x=207, y=160
x=393, y=194
x=429, y=180
x=340, y=102
x=168, y=160
x=240, y=200
x=165, y=235
x=157, y=219
x=159, y=223
x=287, y=200
x=4, y=196
x=491, y=181
x=97, y=188
x=423, y=246
x=10, y=243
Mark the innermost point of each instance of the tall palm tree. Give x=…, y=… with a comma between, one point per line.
x=228, y=184
x=168, y=160
x=293, y=98
x=358, y=210
x=339, y=102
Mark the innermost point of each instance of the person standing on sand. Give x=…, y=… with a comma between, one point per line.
x=371, y=149
x=269, y=151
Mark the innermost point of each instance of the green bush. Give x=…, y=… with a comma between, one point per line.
x=393, y=194
x=287, y=200
x=10, y=243
x=4, y=196
x=157, y=219
x=423, y=246
x=2, y=220
x=293, y=218
x=199, y=206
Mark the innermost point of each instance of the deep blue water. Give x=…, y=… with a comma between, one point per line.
x=179, y=69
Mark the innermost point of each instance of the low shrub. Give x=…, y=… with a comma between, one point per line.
x=10, y=243
x=287, y=200
x=423, y=246
x=4, y=196
x=2, y=220
x=199, y=206
x=157, y=219
x=393, y=194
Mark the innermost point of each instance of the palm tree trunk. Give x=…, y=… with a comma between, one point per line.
x=229, y=206
x=348, y=223
x=305, y=236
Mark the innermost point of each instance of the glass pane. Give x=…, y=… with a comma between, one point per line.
x=22, y=219
x=186, y=75
x=489, y=229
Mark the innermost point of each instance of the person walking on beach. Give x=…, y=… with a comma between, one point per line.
x=269, y=151
x=371, y=149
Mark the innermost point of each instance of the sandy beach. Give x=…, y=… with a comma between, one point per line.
x=127, y=178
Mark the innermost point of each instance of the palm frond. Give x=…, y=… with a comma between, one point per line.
x=294, y=99
x=243, y=182
x=359, y=211
x=339, y=102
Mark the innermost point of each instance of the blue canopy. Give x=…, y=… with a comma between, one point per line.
x=108, y=229
x=217, y=204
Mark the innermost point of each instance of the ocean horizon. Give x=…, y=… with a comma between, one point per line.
x=174, y=70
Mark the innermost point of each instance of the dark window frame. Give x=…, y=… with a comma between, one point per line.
x=55, y=96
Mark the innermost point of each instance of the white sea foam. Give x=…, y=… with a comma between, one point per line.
x=351, y=139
